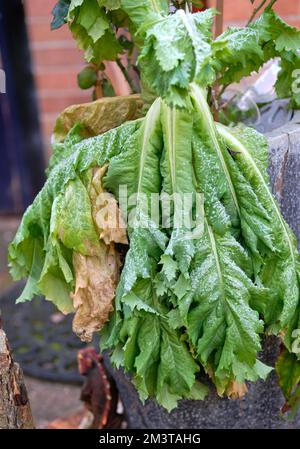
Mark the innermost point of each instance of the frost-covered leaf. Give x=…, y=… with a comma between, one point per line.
x=56, y=225
x=240, y=51
x=280, y=271
x=241, y=201
x=237, y=52
x=220, y=322
x=177, y=51
x=141, y=11
x=137, y=169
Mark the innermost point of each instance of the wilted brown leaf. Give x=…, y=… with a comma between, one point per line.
x=96, y=281
x=98, y=116
x=97, y=275
x=236, y=390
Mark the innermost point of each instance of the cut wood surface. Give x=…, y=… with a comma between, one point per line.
x=15, y=412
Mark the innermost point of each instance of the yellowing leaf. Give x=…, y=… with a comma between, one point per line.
x=106, y=214
x=97, y=275
x=98, y=116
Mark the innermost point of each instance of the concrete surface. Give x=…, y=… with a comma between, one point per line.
x=50, y=401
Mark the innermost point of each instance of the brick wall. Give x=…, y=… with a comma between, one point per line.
x=237, y=12
x=57, y=61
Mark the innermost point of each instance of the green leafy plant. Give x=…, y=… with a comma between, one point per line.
x=183, y=299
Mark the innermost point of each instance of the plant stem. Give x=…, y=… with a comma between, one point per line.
x=259, y=7
x=125, y=73
x=221, y=91
x=218, y=31
x=98, y=90
x=188, y=7
x=269, y=6
x=117, y=78
x=255, y=11
x=219, y=18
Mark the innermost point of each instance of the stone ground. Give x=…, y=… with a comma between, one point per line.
x=48, y=400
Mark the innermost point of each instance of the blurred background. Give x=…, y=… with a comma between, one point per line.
x=41, y=68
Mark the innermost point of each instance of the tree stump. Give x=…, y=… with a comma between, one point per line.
x=15, y=412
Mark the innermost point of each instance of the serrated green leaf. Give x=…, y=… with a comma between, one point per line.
x=176, y=371
x=141, y=11
x=221, y=324
x=91, y=29
x=177, y=51
x=242, y=200
x=280, y=272
x=55, y=223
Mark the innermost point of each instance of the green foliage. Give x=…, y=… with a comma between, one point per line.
x=92, y=31
x=196, y=299
x=288, y=370
x=240, y=51
x=111, y=5
x=189, y=298
x=177, y=51
x=42, y=248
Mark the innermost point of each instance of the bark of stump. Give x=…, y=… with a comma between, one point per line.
x=15, y=412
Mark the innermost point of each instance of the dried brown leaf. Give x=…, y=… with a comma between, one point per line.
x=97, y=275
x=96, y=281
x=236, y=390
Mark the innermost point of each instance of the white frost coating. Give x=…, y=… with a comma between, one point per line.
x=203, y=107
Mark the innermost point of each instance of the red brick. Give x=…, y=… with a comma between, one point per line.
x=287, y=7
x=57, y=103
x=294, y=21
x=47, y=125
x=57, y=57
x=66, y=78
x=53, y=45
x=39, y=8
x=41, y=31
x=239, y=11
